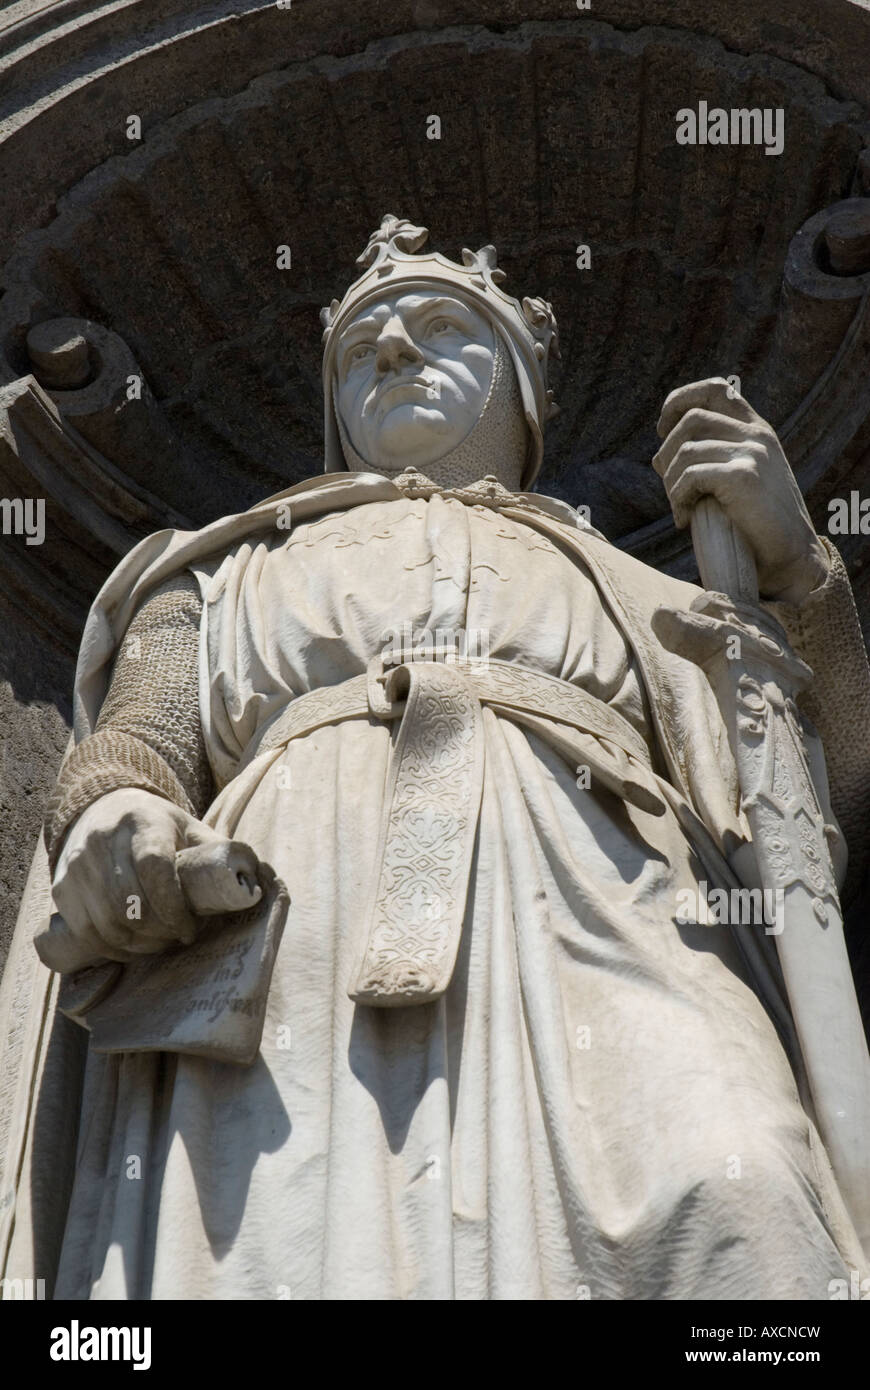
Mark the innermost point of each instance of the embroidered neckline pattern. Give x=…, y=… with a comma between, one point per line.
x=486, y=492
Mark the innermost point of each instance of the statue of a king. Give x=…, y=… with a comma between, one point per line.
x=495, y=1060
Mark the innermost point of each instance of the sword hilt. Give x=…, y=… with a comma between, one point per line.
x=725, y=562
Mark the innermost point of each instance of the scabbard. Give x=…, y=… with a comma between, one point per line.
x=757, y=679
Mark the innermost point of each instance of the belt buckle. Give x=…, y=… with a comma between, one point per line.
x=382, y=673
x=378, y=672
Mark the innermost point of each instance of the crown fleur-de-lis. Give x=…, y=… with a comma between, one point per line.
x=327, y=314
x=542, y=321
x=486, y=259
x=395, y=233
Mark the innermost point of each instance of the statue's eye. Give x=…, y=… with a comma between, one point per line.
x=440, y=326
x=361, y=352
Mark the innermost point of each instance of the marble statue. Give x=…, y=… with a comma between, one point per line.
x=410, y=727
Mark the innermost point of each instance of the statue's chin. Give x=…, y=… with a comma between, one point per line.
x=413, y=436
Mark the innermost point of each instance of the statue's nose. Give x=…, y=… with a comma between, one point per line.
x=395, y=348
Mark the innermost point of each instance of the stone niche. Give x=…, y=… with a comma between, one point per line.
x=158, y=368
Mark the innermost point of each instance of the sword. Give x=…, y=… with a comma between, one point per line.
x=757, y=679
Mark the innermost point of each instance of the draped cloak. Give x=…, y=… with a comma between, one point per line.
x=606, y=1103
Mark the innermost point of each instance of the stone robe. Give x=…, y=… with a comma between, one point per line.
x=602, y=1105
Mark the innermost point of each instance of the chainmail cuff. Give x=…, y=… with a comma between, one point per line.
x=148, y=734
x=826, y=632
x=102, y=763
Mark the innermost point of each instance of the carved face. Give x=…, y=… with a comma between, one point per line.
x=413, y=373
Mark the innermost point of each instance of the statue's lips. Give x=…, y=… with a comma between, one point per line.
x=409, y=388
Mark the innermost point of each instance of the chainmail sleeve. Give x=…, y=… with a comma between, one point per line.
x=825, y=631
x=148, y=734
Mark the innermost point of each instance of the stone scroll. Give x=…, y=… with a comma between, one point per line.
x=207, y=999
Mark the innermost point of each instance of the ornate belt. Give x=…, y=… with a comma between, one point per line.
x=416, y=903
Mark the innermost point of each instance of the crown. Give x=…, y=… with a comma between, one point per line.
x=392, y=260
